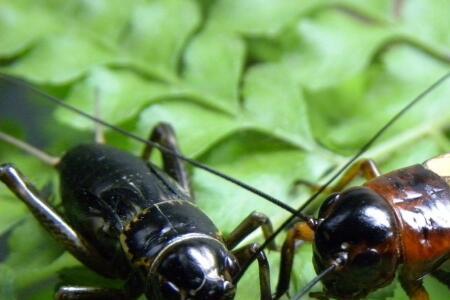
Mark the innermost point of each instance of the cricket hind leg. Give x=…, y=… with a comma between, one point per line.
x=90, y=293
x=413, y=287
x=366, y=168
x=442, y=276
x=131, y=290
x=252, y=222
x=164, y=135
x=47, y=216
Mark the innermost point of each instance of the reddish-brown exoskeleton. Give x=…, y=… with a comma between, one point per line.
x=363, y=235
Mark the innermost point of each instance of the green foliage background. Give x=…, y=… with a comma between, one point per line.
x=268, y=91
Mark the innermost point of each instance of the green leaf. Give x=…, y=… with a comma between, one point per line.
x=16, y=32
x=331, y=48
x=389, y=88
x=7, y=279
x=197, y=127
x=158, y=32
x=105, y=19
x=248, y=156
x=213, y=64
x=31, y=247
x=60, y=58
x=274, y=101
x=254, y=16
x=266, y=91
x=381, y=8
x=111, y=87
x=435, y=288
x=429, y=21
x=12, y=211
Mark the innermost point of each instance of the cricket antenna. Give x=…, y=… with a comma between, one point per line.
x=314, y=281
x=99, y=132
x=362, y=150
x=41, y=155
x=195, y=163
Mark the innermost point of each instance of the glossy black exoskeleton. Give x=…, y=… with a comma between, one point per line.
x=126, y=218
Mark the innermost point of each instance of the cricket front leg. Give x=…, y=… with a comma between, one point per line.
x=413, y=287
x=244, y=254
x=300, y=232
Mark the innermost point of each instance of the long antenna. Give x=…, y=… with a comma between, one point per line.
x=41, y=155
x=158, y=146
x=313, y=282
x=363, y=149
x=99, y=132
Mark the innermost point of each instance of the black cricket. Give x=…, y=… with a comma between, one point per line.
x=126, y=218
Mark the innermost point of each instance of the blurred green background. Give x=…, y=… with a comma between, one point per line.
x=268, y=91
